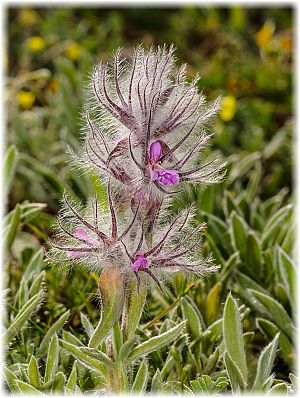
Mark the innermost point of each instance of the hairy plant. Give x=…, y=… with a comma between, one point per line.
x=145, y=127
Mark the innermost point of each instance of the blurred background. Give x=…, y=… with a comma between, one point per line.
x=245, y=55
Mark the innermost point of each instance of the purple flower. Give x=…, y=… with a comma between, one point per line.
x=157, y=172
x=140, y=262
x=143, y=100
x=145, y=131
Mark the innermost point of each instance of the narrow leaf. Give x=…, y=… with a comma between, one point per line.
x=141, y=378
x=233, y=336
x=33, y=373
x=112, y=297
x=157, y=342
x=55, y=328
x=265, y=364
x=274, y=311
x=52, y=359
x=23, y=315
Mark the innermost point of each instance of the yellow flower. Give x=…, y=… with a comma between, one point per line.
x=264, y=35
x=73, y=51
x=36, y=43
x=228, y=108
x=53, y=85
x=28, y=17
x=25, y=99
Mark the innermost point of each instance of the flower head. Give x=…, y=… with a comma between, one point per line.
x=146, y=124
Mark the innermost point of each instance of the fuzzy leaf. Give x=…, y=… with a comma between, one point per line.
x=95, y=360
x=33, y=373
x=156, y=384
x=253, y=259
x=288, y=274
x=88, y=327
x=126, y=348
x=27, y=388
x=72, y=380
x=11, y=229
x=273, y=226
x=275, y=312
x=213, y=302
x=192, y=316
x=286, y=350
x=112, y=297
x=234, y=373
x=141, y=378
x=52, y=359
x=23, y=315
x=233, y=337
x=9, y=168
x=238, y=232
x=55, y=328
x=265, y=364
x=11, y=379
x=134, y=304
x=156, y=342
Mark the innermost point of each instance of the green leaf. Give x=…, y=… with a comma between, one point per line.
x=156, y=342
x=112, y=297
x=88, y=327
x=133, y=308
x=205, y=385
x=126, y=348
x=27, y=388
x=212, y=361
x=37, y=284
x=286, y=350
x=39, y=168
x=33, y=373
x=279, y=388
x=239, y=233
x=191, y=314
x=233, y=337
x=242, y=166
x=11, y=380
x=236, y=378
x=156, y=384
x=273, y=226
x=52, y=359
x=9, y=168
x=11, y=229
x=141, y=378
x=72, y=380
x=24, y=315
x=275, y=312
x=55, y=328
x=253, y=259
x=35, y=263
x=212, y=304
x=59, y=383
x=288, y=274
x=265, y=364
x=94, y=359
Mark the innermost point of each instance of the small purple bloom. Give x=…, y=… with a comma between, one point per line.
x=164, y=176
x=157, y=172
x=140, y=262
x=80, y=233
x=155, y=152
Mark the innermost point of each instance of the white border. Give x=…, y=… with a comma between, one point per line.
x=159, y=4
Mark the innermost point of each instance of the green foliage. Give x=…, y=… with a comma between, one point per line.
x=187, y=341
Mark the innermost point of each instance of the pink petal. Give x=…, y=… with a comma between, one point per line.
x=155, y=152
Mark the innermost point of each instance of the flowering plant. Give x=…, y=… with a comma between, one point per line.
x=145, y=125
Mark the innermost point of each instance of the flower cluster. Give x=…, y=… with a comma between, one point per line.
x=145, y=126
